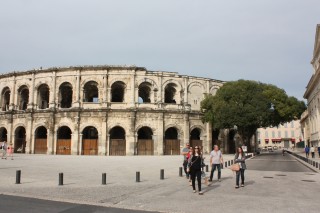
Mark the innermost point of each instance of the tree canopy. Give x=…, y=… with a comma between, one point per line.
x=249, y=105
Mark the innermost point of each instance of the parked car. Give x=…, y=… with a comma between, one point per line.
x=270, y=149
x=275, y=148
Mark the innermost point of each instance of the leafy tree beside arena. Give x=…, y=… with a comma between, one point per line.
x=249, y=105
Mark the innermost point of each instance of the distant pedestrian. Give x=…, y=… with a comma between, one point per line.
x=215, y=161
x=185, y=152
x=194, y=166
x=188, y=156
x=10, y=151
x=319, y=151
x=312, y=151
x=306, y=150
x=4, y=152
x=240, y=158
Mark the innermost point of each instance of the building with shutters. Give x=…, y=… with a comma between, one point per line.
x=105, y=110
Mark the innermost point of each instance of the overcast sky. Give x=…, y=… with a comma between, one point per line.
x=265, y=40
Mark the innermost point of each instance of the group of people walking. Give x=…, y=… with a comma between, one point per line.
x=7, y=151
x=193, y=164
x=311, y=150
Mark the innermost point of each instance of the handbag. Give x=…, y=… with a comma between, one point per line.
x=235, y=167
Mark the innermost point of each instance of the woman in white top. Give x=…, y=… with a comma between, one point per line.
x=240, y=158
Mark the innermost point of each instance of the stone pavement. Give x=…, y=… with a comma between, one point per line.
x=82, y=184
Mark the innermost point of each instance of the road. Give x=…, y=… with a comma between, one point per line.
x=275, y=161
x=16, y=204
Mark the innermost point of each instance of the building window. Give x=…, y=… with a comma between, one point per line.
x=286, y=134
x=286, y=125
x=273, y=134
x=292, y=133
x=292, y=124
x=279, y=134
x=266, y=134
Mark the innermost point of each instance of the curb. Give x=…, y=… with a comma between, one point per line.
x=302, y=160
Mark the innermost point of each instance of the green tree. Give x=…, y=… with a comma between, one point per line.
x=249, y=105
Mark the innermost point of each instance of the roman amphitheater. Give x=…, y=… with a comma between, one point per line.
x=104, y=110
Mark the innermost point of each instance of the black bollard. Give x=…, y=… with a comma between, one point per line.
x=228, y=163
x=225, y=164
x=161, y=174
x=137, y=176
x=18, y=176
x=207, y=168
x=316, y=164
x=180, y=171
x=104, y=178
x=60, y=179
x=231, y=161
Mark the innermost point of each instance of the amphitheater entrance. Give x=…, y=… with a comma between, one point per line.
x=195, y=138
x=64, y=141
x=117, y=142
x=5, y=99
x=145, y=143
x=40, y=142
x=3, y=134
x=171, y=142
x=20, y=140
x=89, y=141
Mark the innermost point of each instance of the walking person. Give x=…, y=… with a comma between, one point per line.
x=215, y=161
x=319, y=151
x=194, y=166
x=240, y=158
x=4, y=152
x=10, y=151
x=185, y=152
x=306, y=150
x=312, y=151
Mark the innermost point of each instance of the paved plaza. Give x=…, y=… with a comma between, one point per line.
x=264, y=191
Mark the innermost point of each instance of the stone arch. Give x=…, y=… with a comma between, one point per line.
x=118, y=91
x=145, y=91
x=20, y=139
x=195, y=94
x=5, y=98
x=40, y=142
x=23, y=97
x=3, y=134
x=195, y=137
x=90, y=137
x=65, y=95
x=117, y=139
x=197, y=83
x=91, y=91
x=171, y=141
x=43, y=95
x=150, y=81
x=172, y=92
x=214, y=89
x=145, y=143
x=64, y=137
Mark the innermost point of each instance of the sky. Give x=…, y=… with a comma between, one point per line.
x=270, y=41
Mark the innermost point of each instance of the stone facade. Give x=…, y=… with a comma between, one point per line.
x=103, y=110
x=311, y=118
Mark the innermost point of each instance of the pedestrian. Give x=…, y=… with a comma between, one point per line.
x=194, y=166
x=10, y=151
x=185, y=152
x=4, y=152
x=240, y=158
x=306, y=150
x=319, y=151
x=312, y=151
x=188, y=156
x=215, y=161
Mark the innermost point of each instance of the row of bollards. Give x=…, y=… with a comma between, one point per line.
x=307, y=160
x=104, y=177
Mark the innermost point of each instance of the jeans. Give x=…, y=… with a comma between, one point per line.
x=312, y=154
x=185, y=164
x=214, y=166
x=194, y=174
x=238, y=173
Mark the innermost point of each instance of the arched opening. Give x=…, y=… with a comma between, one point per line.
x=65, y=95
x=171, y=142
x=43, y=96
x=23, y=97
x=117, y=141
x=215, y=137
x=64, y=141
x=117, y=91
x=170, y=93
x=20, y=140
x=145, y=144
x=145, y=92
x=5, y=97
x=40, y=142
x=3, y=134
x=91, y=92
x=90, y=141
x=195, y=138
x=231, y=141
